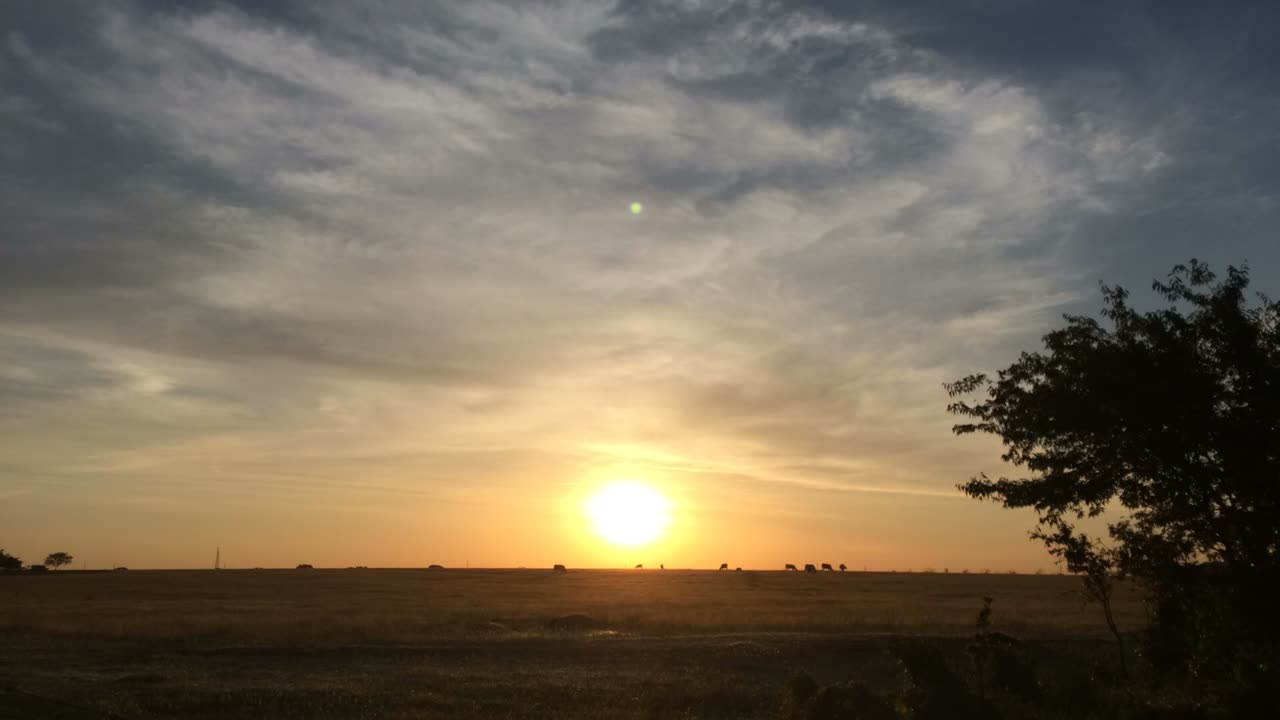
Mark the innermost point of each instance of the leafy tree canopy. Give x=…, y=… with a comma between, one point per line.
x=9, y=562
x=1168, y=420
x=58, y=559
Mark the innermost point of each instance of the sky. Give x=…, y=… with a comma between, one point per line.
x=360, y=283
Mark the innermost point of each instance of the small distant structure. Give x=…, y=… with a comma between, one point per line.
x=305, y=566
x=809, y=567
x=37, y=568
x=120, y=569
x=737, y=569
x=559, y=568
x=827, y=567
x=435, y=567
x=724, y=566
x=640, y=566
x=843, y=567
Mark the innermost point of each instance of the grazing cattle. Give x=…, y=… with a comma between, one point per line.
x=559, y=568
x=826, y=566
x=808, y=567
x=737, y=569
x=789, y=567
x=842, y=567
x=724, y=566
x=640, y=567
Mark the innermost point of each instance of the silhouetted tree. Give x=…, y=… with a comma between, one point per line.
x=58, y=559
x=9, y=563
x=1172, y=419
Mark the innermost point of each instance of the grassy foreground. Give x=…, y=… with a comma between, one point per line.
x=477, y=643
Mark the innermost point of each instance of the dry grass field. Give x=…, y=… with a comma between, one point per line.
x=478, y=643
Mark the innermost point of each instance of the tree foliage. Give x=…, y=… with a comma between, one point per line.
x=1167, y=421
x=9, y=563
x=58, y=559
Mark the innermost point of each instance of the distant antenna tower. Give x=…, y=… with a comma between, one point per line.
x=217, y=560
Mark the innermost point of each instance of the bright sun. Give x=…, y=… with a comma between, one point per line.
x=626, y=513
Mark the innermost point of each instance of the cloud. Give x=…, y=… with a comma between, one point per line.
x=305, y=244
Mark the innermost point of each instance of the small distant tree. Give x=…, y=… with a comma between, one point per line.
x=58, y=559
x=9, y=563
x=1167, y=421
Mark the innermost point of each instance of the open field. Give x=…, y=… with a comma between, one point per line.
x=476, y=643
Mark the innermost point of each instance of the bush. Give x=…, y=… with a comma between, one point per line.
x=931, y=690
x=801, y=688
x=9, y=563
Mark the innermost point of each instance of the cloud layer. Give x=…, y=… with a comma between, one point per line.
x=344, y=259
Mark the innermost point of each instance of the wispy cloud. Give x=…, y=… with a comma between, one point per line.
x=391, y=249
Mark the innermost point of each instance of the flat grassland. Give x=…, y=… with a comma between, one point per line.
x=478, y=643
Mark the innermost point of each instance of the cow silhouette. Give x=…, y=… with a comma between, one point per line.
x=842, y=567
x=789, y=567
x=826, y=566
x=724, y=566
x=559, y=568
x=808, y=567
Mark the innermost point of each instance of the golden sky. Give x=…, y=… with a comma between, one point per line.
x=406, y=286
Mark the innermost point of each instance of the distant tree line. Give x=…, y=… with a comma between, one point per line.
x=12, y=564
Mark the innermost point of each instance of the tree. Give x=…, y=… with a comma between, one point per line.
x=9, y=563
x=58, y=559
x=1169, y=422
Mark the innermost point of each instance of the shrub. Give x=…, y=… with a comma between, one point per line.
x=9, y=563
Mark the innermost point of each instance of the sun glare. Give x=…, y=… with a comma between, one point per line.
x=627, y=513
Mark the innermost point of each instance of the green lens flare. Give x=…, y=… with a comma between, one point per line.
x=636, y=208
